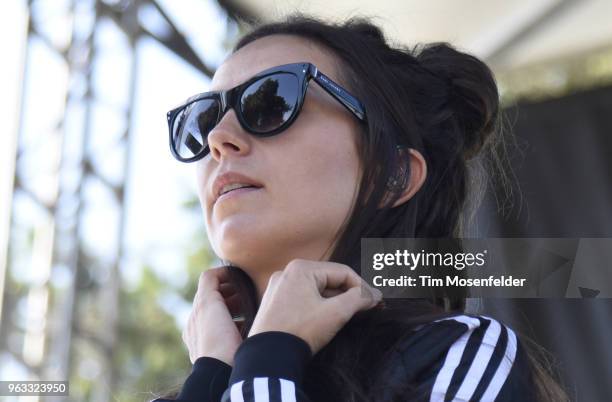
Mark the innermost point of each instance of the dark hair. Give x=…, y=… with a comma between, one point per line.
x=443, y=103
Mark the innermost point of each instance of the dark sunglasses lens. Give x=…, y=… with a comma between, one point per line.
x=270, y=102
x=192, y=125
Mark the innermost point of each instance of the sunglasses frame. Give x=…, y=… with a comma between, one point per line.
x=230, y=98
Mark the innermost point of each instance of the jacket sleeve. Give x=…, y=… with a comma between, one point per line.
x=206, y=383
x=465, y=358
x=269, y=366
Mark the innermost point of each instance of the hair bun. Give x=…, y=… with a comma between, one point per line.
x=473, y=94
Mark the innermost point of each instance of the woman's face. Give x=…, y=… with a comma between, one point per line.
x=309, y=172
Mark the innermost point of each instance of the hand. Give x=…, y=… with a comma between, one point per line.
x=295, y=301
x=210, y=329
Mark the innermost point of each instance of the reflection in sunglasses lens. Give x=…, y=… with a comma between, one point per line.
x=192, y=125
x=269, y=102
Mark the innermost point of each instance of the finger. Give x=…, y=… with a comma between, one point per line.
x=209, y=282
x=211, y=279
x=332, y=292
x=352, y=301
x=227, y=290
x=234, y=304
x=336, y=276
x=239, y=324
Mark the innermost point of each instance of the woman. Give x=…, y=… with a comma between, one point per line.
x=313, y=136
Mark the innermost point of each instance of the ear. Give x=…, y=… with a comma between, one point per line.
x=418, y=173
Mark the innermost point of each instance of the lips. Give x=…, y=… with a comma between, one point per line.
x=232, y=178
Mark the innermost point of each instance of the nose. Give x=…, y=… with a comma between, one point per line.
x=228, y=137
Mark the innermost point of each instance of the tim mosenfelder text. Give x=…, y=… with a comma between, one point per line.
x=458, y=261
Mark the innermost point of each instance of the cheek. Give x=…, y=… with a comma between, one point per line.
x=325, y=180
x=202, y=176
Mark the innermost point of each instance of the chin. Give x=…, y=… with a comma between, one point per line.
x=242, y=246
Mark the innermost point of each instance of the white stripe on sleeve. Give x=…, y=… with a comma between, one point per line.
x=503, y=370
x=236, y=392
x=260, y=389
x=453, y=358
x=287, y=390
x=480, y=362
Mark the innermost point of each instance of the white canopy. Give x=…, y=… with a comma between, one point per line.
x=508, y=34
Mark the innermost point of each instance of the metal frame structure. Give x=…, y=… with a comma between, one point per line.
x=47, y=349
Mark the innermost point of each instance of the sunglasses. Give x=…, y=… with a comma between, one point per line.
x=265, y=106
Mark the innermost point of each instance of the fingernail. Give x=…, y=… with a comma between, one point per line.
x=377, y=294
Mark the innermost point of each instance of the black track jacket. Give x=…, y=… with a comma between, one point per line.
x=460, y=358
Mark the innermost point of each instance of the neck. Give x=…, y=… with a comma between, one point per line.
x=260, y=273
